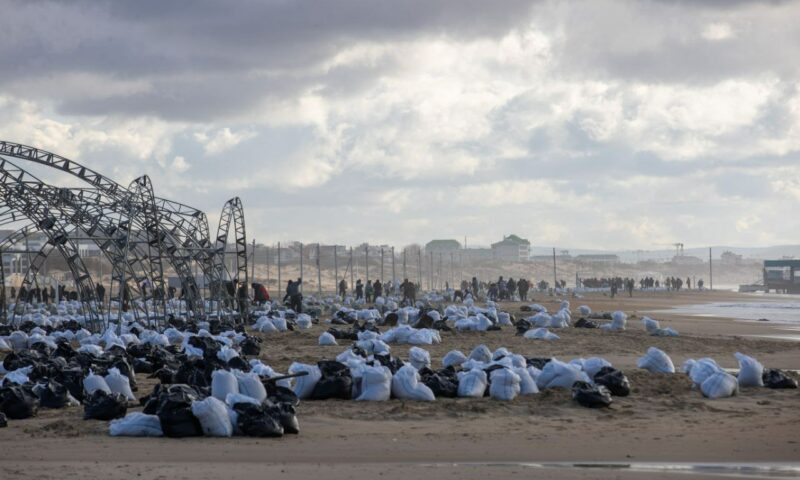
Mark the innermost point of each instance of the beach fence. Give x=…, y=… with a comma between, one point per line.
x=323, y=266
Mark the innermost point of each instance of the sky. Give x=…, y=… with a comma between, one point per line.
x=586, y=124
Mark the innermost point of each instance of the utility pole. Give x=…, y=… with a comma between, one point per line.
x=394, y=277
x=268, y=262
x=381, y=279
x=366, y=263
x=404, y=264
x=430, y=276
x=419, y=266
x=710, y=271
x=301, y=267
x=352, y=273
x=253, y=267
x=335, y=270
x=555, y=278
x=279, y=271
x=319, y=275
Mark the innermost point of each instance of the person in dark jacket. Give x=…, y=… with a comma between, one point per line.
x=342, y=289
x=359, y=289
x=294, y=296
x=409, y=292
x=523, y=286
x=378, y=289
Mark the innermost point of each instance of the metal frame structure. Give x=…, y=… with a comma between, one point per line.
x=143, y=237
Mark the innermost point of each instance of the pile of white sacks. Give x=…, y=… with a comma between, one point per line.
x=374, y=382
x=712, y=380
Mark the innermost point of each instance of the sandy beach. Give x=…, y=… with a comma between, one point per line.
x=663, y=420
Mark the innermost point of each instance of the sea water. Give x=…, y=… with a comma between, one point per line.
x=783, y=310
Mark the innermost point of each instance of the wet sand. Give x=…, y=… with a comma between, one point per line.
x=663, y=420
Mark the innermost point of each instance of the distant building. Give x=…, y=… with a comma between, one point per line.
x=730, y=258
x=597, y=258
x=442, y=246
x=782, y=275
x=512, y=249
x=88, y=250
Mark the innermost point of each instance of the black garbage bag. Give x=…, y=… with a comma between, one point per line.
x=175, y=412
x=392, y=363
x=537, y=362
x=193, y=373
x=16, y=360
x=587, y=395
x=239, y=363
x=142, y=365
x=257, y=421
x=164, y=375
x=3, y=420
x=774, y=378
x=279, y=394
x=72, y=378
x=251, y=346
x=343, y=335
x=208, y=345
x=18, y=402
x=441, y=383
x=104, y=406
x=286, y=415
x=336, y=381
x=52, y=394
x=44, y=349
x=522, y=326
x=64, y=349
x=614, y=380
x=583, y=323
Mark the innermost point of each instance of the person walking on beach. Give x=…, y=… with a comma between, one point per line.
x=359, y=289
x=342, y=289
x=370, y=292
x=294, y=295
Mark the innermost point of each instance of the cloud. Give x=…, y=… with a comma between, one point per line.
x=179, y=164
x=717, y=31
x=224, y=139
x=599, y=124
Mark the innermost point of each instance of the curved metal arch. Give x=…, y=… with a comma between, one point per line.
x=232, y=213
x=21, y=191
x=175, y=215
x=145, y=208
x=82, y=209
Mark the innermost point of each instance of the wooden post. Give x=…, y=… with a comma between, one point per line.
x=301, y=266
x=319, y=275
x=280, y=285
x=710, y=271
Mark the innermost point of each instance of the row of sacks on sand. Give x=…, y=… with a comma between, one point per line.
x=237, y=403
x=714, y=381
x=228, y=336
x=53, y=373
x=359, y=375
